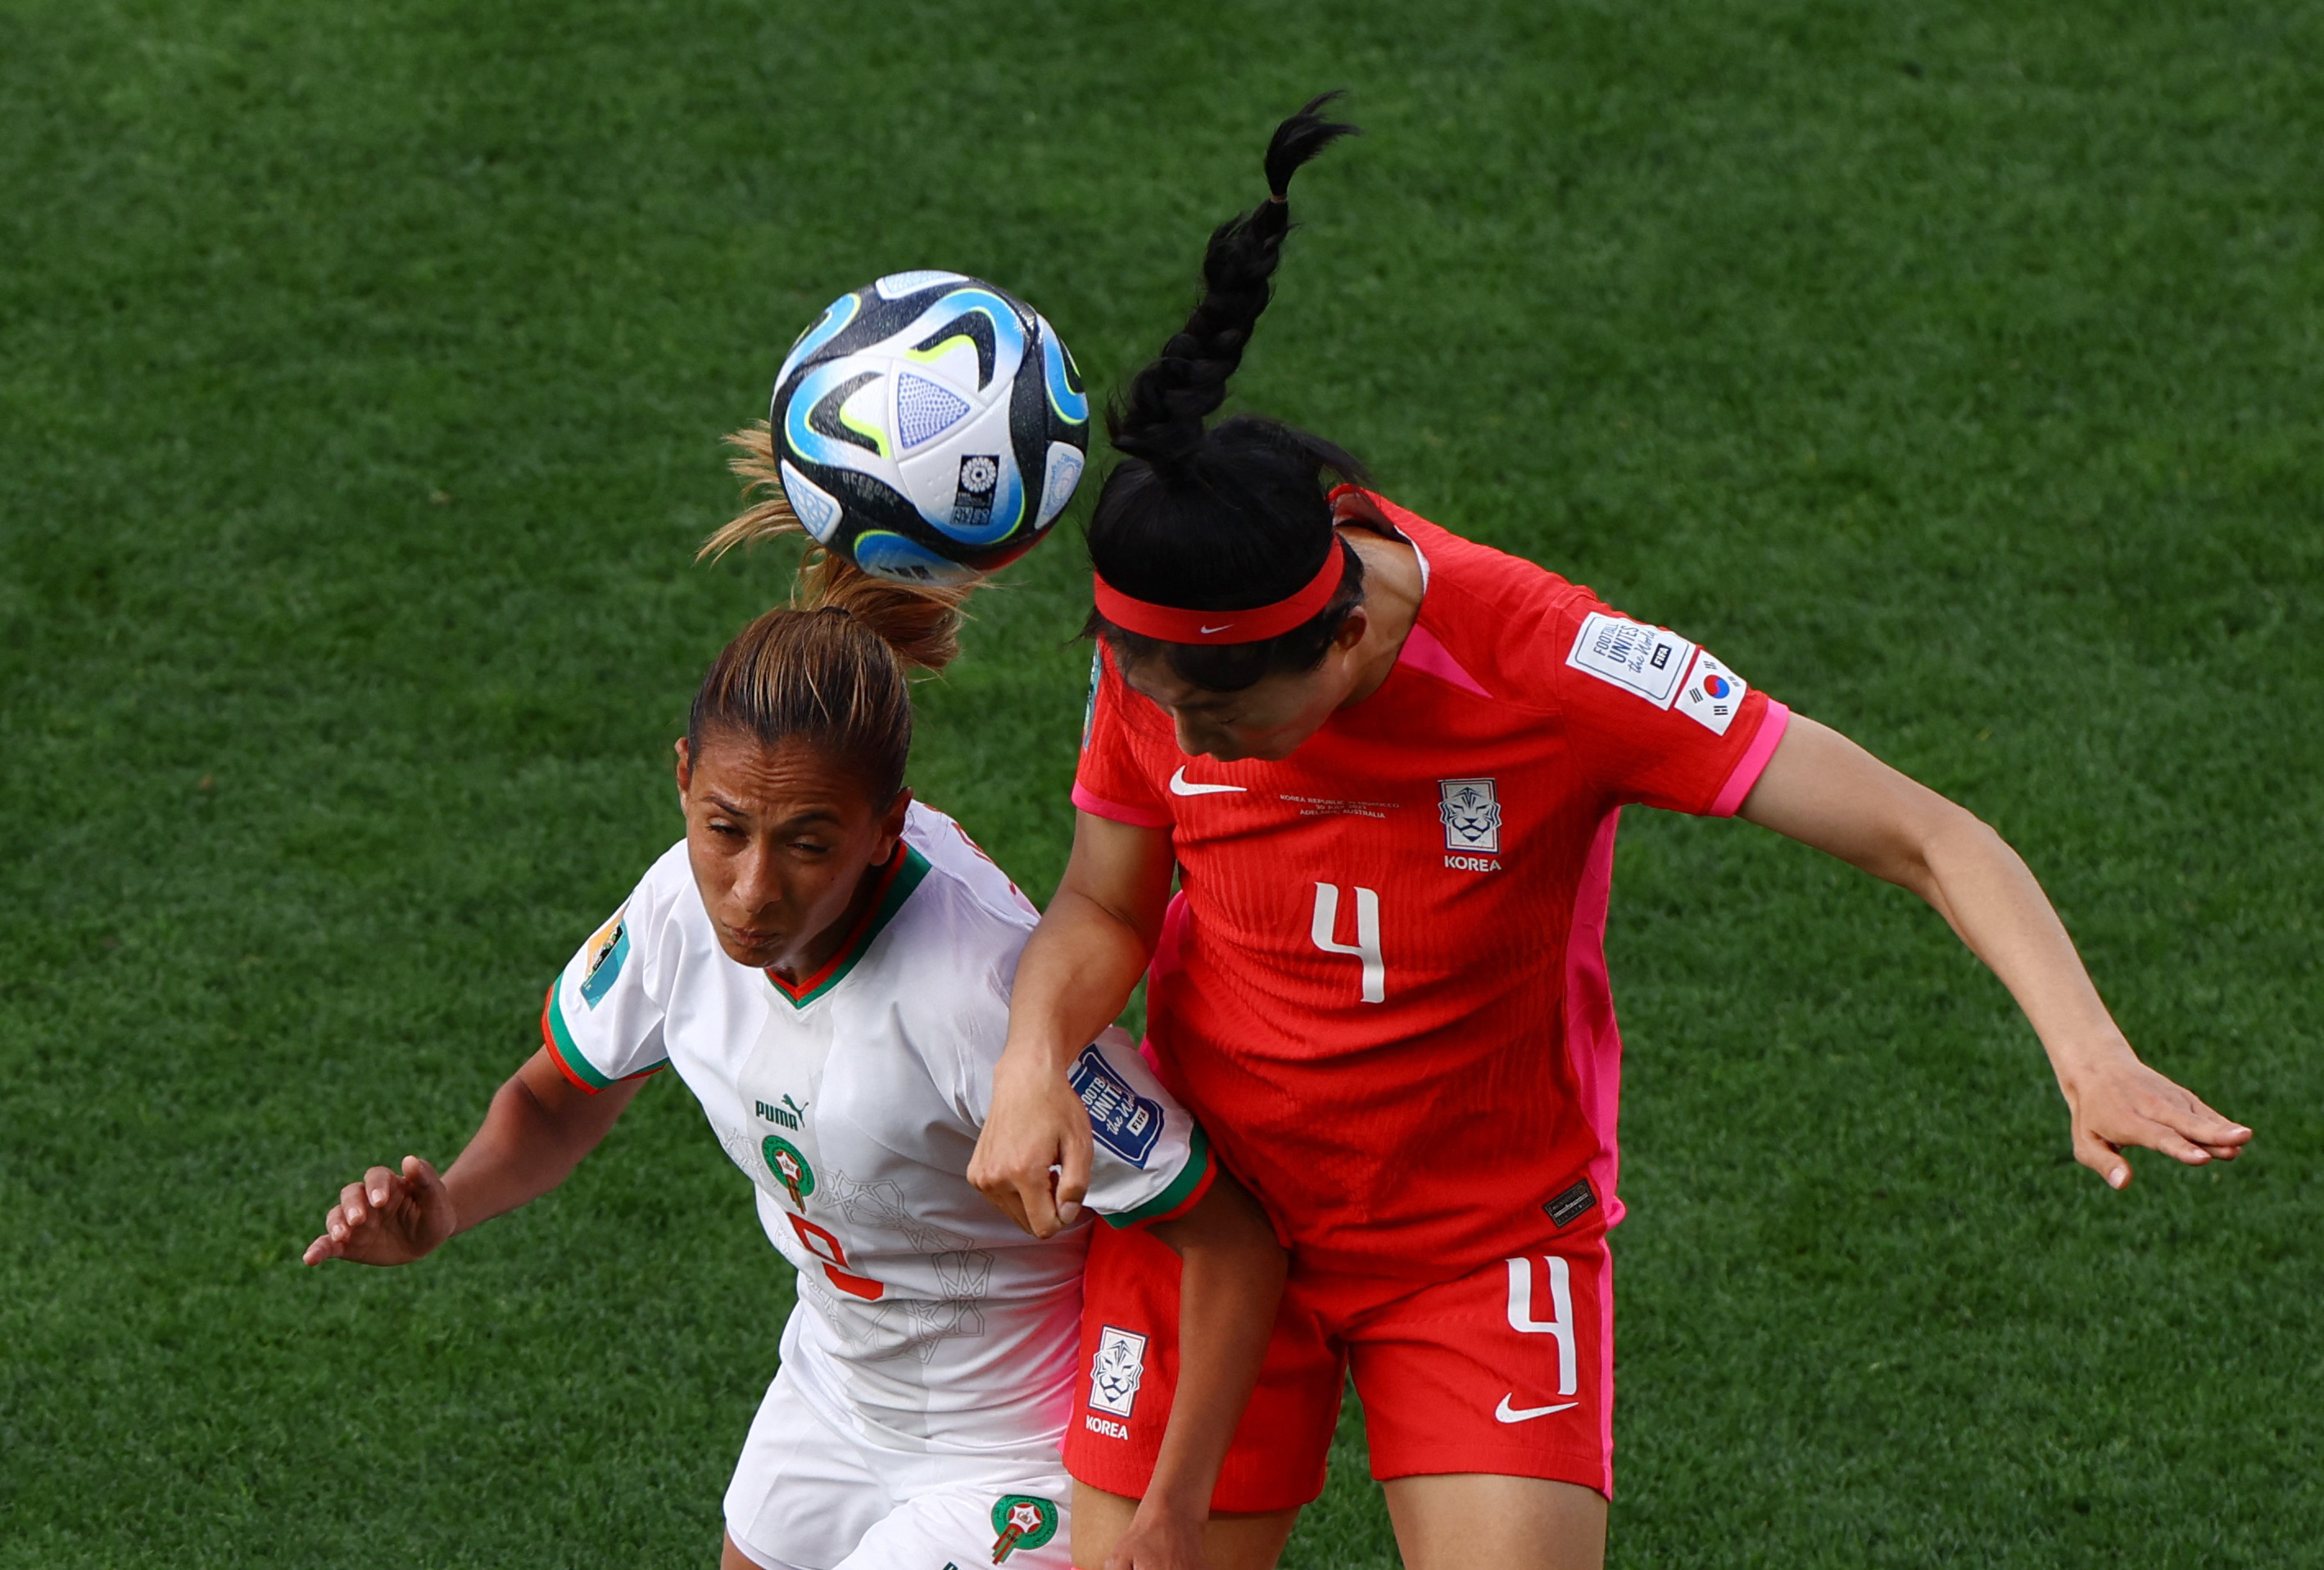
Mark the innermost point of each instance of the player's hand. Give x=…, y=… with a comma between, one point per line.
x=1159, y=1539
x=388, y=1217
x=1033, y=1159
x=2119, y=1102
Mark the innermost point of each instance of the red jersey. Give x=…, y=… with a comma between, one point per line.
x=1382, y=986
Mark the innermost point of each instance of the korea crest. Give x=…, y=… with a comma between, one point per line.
x=1471, y=815
x=1117, y=1370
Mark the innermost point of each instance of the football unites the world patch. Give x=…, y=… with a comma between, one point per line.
x=1022, y=1521
x=1660, y=666
x=1121, y=1120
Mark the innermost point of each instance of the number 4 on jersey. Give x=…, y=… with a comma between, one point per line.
x=1366, y=946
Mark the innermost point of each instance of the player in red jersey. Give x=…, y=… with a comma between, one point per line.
x=1385, y=766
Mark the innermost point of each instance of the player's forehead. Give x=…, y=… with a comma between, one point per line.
x=789, y=781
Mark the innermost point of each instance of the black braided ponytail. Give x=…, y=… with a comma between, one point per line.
x=1235, y=514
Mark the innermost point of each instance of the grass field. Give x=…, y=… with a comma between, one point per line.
x=1954, y=371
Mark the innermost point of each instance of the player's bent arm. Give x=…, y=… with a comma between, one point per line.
x=1077, y=970
x=1230, y=1281
x=1823, y=790
x=537, y=1130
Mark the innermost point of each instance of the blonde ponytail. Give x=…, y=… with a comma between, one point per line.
x=921, y=623
x=828, y=669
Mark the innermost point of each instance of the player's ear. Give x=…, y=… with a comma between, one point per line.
x=891, y=824
x=1351, y=630
x=684, y=768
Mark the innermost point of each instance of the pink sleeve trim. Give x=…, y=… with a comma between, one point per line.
x=1090, y=802
x=1772, y=725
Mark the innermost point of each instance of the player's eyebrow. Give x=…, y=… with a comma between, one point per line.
x=812, y=814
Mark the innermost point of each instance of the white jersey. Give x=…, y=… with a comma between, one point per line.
x=852, y=1100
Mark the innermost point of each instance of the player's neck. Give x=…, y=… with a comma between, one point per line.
x=1392, y=589
x=818, y=951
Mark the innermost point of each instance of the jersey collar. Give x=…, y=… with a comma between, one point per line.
x=902, y=876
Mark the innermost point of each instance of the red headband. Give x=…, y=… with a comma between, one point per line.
x=1173, y=624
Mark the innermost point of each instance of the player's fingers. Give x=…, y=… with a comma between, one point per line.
x=383, y=1185
x=2101, y=1158
x=2206, y=1127
x=334, y=1223
x=354, y=1204
x=2162, y=1137
x=1040, y=1207
x=420, y=1176
x=321, y=1249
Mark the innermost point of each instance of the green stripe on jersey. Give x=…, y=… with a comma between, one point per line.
x=905, y=877
x=561, y=1040
x=1189, y=1178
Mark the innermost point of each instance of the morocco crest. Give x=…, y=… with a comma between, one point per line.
x=789, y=1165
x=1022, y=1521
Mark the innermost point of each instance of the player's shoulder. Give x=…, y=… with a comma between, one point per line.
x=963, y=912
x=1503, y=622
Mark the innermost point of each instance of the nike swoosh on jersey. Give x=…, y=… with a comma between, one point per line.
x=1506, y=1413
x=1180, y=785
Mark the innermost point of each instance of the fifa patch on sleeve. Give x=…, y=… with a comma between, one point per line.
x=1645, y=660
x=1120, y=1119
x=607, y=949
x=1712, y=694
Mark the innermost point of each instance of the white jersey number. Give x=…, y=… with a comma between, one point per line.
x=1560, y=1323
x=1366, y=946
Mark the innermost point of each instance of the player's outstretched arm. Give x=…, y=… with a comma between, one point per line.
x=1077, y=970
x=1823, y=790
x=1230, y=1282
x=538, y=1127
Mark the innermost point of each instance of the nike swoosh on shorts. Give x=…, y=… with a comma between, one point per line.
x=1181, y=786
x=1506, y=1413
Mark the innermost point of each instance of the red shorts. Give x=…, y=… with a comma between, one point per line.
x=1506, y=1369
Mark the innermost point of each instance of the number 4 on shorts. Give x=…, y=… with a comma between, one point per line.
x=1560, y=1307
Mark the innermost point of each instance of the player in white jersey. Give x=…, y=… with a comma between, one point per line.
x=827, y=964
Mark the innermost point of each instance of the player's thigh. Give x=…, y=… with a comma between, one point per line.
x=1468, y=1520
x=1020, y=1525
x=803, y=1492
x=1230, y=1542
x=1489, y=1403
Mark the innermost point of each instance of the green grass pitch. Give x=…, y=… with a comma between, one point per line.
x=1953, y=370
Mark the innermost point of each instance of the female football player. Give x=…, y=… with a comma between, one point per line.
x=1386, y=764
x=827, y=964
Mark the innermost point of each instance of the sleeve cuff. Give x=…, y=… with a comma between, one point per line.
x=1753, y=761
x=1186, y=1191
x=1096, y=806
x=569, y=1060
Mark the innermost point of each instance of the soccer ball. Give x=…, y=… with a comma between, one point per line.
x=929, y=427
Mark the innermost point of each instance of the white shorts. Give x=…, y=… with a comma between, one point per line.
x=809, y=1494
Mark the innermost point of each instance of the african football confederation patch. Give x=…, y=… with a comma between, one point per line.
x=789, y=1165
x=1022, y=1521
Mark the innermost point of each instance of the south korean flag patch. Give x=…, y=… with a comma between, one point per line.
x=1710, y=694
